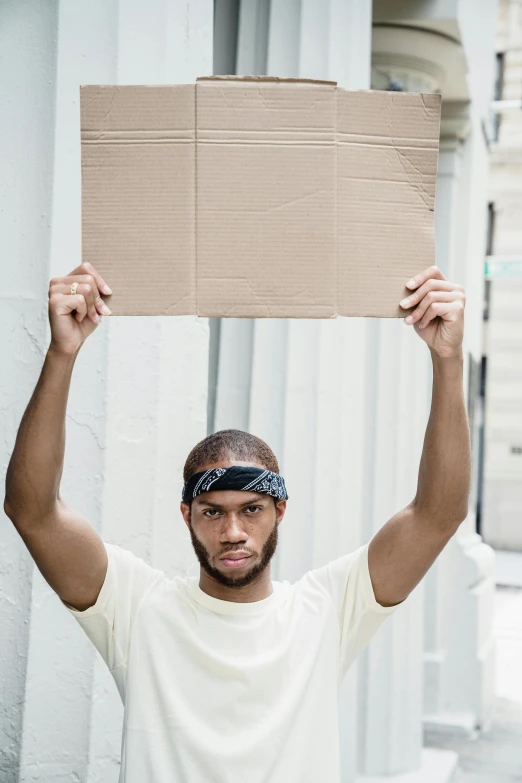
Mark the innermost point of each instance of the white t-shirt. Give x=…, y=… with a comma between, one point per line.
x=222, y=692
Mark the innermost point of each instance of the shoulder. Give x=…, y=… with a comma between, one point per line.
x=337, y=570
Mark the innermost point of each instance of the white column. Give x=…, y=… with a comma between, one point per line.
x=138, y=397
x=391, y=669
x=296, y=549
x=267, y=392
x=283, y=57
x=350, y=45
x=233, y=374
x=27, y=91
x=252, y=36
x=459, y=643
x=358, y=338
x=60, y=662
x=447, y=204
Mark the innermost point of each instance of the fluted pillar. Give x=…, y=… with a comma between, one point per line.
x=139, y=391
x=27, y=93
x=459, y=650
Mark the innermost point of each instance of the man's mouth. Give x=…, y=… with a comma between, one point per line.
x=235, y=560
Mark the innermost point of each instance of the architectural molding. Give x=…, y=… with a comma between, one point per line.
x=408, y=69
x=418, y=56
x=455, y=121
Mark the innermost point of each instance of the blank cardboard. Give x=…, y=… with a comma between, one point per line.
x=257, y=196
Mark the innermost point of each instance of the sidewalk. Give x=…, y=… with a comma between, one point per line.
x=495, y=756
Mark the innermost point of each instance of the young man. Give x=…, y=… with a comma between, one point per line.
x=232, y=677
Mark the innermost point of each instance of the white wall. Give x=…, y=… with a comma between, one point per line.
x=27, y=91
x=344, y=403
x=139, y=391
x=503, y=461
x=459, y=650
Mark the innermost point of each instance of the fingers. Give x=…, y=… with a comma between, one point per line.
x=448, y=311
x=86, y=290
x=87, y=287
x=433, y=284
x=62, y=304
x=89, y=269
x=431, y=287
x=430, y=272
x=432, y=297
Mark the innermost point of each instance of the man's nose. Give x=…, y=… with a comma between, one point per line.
x=234, y=530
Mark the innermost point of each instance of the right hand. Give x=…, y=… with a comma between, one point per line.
x=74, y=317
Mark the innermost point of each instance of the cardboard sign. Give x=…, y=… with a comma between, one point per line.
x=257, y=196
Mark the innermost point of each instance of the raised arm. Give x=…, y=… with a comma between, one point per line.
x=403, y=550
x=67, y=550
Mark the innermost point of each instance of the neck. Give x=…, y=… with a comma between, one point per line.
x=257, y=590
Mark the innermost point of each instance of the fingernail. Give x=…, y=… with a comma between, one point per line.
x=97, y=318
x=107, y=289
x=405, y=302
x=421, y=326
x=409, y=319
x=411, y=283
x=105, y=309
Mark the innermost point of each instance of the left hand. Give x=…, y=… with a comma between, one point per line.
x=438, y=317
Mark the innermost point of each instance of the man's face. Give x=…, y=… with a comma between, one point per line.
x=229, y=523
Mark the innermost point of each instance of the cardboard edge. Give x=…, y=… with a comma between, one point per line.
x=253, y=78
x=336, y=213
x=437, y=97
x=196, y=276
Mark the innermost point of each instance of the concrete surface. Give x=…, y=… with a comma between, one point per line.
x=437, y=766
x=495, y=756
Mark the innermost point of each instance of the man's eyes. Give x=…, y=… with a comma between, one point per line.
x=214, y=512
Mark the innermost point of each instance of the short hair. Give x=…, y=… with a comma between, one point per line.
x=230, y=445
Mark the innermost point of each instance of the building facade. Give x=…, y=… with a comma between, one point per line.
x=344, y=403
x=502, y=492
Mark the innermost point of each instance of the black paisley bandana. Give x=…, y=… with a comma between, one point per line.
x=235, y=477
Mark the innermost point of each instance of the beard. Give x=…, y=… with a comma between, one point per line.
x=267, y=552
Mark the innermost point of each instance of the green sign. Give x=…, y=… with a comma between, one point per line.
x=503, y=266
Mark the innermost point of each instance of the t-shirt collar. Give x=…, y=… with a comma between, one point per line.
x=235, y=607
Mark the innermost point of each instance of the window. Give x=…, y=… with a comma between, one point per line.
x=489, y=252
x=490, y=229
x=499, y=86
x=487, y=299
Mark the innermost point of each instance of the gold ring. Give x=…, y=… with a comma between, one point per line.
x=74, y=287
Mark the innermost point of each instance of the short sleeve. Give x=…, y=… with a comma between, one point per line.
x=347, y=581
x=109, y=622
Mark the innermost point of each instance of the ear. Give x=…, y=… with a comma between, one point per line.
x=280, y=510
x=185, y=512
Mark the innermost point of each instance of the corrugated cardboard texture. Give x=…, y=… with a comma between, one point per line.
x=258, y=197
x=387, y=149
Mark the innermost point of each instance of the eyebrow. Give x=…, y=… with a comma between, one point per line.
x=252, y=502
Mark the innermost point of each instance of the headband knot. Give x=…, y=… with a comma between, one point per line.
x=235, y=477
